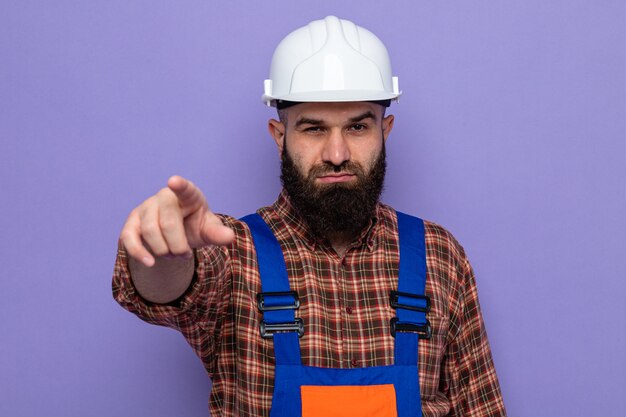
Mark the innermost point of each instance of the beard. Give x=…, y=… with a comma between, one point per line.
x=337, y=208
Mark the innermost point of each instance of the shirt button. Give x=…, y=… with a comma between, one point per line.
x=349, y=310
x=354, y=363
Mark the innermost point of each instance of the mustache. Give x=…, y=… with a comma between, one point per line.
x=347, y=167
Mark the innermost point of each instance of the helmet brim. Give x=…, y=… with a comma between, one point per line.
x=332, y=96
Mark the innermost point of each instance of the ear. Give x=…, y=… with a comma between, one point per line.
x=277, y=131
x=387, y=126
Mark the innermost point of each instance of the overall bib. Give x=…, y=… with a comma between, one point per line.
x=380, y=391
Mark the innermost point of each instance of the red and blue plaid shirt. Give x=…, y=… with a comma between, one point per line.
x=345, y=308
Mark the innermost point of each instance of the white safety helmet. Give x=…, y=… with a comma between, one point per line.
x=330, y=60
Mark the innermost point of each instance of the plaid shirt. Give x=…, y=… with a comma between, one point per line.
x=345, y=308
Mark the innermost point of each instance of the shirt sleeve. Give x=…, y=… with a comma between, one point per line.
x=469, y=376
x=198, y=313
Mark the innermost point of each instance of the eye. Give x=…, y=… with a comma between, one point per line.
x=358, y=127
x=313, y=129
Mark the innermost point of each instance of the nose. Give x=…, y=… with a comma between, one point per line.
x=336, y=150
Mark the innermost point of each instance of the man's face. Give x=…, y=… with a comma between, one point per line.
x=327, y=141
x=333, y=163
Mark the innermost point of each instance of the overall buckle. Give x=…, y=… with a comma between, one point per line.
x=394, y=299
x=273, y=301
x=278, y=301
x=420, y=304
x=268, y=329
x=423, y=330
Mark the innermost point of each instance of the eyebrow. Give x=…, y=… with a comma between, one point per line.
x=308, y=121
x=315, y=122
x=367, y=115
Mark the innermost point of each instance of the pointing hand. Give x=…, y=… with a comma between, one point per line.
x=172, y=222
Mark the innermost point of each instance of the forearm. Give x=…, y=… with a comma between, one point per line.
x=196, y=312
x=165, y=281
x=203, y=300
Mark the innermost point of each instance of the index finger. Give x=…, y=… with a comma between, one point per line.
x=189, y=196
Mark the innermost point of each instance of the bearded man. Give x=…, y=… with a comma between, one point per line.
x=328, y=302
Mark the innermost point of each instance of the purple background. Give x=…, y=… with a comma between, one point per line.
x=510, y=133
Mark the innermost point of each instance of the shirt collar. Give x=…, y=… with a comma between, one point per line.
x=285, y=210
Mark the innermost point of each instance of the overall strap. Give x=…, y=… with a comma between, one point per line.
x=410, y=323
x=276, y=301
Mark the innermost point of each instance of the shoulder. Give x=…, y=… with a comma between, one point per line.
x=243, y=244
x=243, y=236
x=442, y=241
x=442, y=247
x=436, y=235
x=237, y=225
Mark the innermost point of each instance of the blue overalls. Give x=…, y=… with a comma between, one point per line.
x=380, y=391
